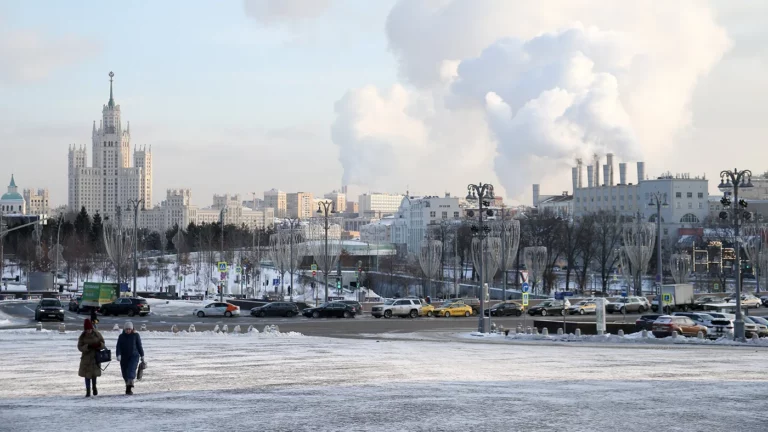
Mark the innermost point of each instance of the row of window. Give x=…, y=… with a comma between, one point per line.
x=444, y=215
x=688, y=194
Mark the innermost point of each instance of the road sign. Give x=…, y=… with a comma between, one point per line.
x=314, y=273
x=568, y=293
x=222, y=266
x=238, y=270
x=275, y=282
x=526, y=287
x=525, y=298
x=666, y=298
x=223, y=276
x=313, y=267
x=623, y=293
x=717, y=286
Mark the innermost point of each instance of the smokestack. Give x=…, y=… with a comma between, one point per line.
x=590, y=175
x=640, y=171
x=622, y=173
x=609, y=161
x=606, y=168
x=580, y=167
x=575, y=175
x=597, y=170
x=535, y=195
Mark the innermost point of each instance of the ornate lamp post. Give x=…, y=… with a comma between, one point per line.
x=482, y=193
x=135, y=203
x=326, y=208
x=659, y=200
x=735, y=180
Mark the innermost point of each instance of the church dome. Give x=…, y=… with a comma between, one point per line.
x=12, y=196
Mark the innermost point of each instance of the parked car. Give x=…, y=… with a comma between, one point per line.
x=550, y=307
x=747, y=300
x=355, y=304
x=449, y=309
x=397, y=307
x=74, y=303
x=335, y=309
x=764, y=299
x=699, y=303
x=281, y=309
x=760, y=328
x=217, y=309
x=427, y=309
x=505, y=309
x=583, y=307
x=665, y=325
x=626, y=305
x=722, y=324
x=50, y=309
x=699, y=318
x=762, y=322
x=645, y=322
x=130, y=306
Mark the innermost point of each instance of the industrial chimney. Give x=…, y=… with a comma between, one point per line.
x=575, y=178
x=622, y=173
x=590, y=175
x=609, y=161
x=580, y=167
x=606, y=170
x=535, y=195
x=597, y=170
x=640, y=171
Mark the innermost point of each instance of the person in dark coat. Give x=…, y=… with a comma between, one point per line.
x=89, y=343
x=94, y=318
x=129, y=352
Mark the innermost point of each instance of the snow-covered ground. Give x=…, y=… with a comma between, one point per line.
x=278, y=382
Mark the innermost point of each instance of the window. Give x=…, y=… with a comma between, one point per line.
x=431, y=214
x=689, y=195
x=689, y=218
x=456, y=215
x=701, y=205
x=678, y=194
x=701, y=194
x=445, y=215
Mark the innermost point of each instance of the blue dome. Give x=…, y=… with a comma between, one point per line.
x=11, y=197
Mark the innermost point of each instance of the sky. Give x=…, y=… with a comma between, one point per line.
x=423, y=96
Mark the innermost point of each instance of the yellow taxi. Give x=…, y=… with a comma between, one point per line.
x=453, y=309
x=427, y=309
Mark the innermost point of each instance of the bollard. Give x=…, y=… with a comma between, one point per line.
x=645, y=334
x=519, y=329
x=755, y=337
x=506, y=332
x=674, y=335
x=621, y=333
x=536, y=330
x=116, y=328
x=174, y=329
x=700, y=335
x=216, y=329
x=191, y=328
x=225, y=329
x=39, y=326
x=578, y=332
x=236, y=329
x=559, y=332
x=528, y=330
x=143, y=327
x=62, y=328
x=252, y=329
x=545, y=331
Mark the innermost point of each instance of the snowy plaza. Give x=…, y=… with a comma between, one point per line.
x=290, y=382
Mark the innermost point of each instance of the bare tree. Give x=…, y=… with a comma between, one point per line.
x=607, y=240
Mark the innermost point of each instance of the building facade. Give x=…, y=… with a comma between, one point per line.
x=276, y=199
x=300, y=205
x=338, y=199
x=110, y=181
x=410, y=223
x=12, y=202
x=379, y=204
x=558, y=205
x=37, y=202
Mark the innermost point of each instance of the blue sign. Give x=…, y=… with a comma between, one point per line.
x=568, y=293
x=526, y=287
x=124, y=287
x=623, y=293
x=559, y=296
x=275, y=282
x=562, y=295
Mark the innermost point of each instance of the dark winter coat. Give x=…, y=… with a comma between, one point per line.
x=130, y=351
x=88, y=366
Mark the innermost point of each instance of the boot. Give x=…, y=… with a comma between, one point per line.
x=128, y=390
x=95, y=391
x=87, y=392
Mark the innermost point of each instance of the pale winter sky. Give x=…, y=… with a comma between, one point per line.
x=385, y=95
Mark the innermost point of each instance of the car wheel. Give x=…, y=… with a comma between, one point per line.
x=581, y=311
x=262, y=314
x=430, y=314
x=347, y=314
x=518, y=313
x=622, y=310
x=228, y=314
x=466, y=314
x=543, y=312
x=641, y=309
x=289, y=314
x=130, y=313
x=414, y=313
x=200, y=314
x=447, y=314
x=315, y=314
x=387, y=314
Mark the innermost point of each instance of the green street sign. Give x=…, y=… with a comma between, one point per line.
x=666, y=298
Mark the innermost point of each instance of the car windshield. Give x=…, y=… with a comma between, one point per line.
x=760, y=320
x=547, y=303
x=389, y=302
x=582, y=303
x=706, y=317
x=50, y=303
x=664, y=320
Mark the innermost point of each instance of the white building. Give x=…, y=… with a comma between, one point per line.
x=557, y=205
x=277, y=200
x=12, y=202
x=379, y=204
x=409, y=225
x=37, y=202
x=111, y=181
x=339, y=200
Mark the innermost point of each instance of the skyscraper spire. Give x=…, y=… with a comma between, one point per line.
x=111, y=103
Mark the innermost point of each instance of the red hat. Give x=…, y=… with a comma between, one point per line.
x=87, y=325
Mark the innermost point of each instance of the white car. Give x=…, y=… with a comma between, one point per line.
x=747, y=301
x=217, y=309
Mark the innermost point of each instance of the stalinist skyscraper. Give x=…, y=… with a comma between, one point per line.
x=110, y=181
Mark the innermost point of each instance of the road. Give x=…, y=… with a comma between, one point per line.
x=23, y=313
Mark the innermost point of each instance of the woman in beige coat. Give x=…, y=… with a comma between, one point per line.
x=89, y=343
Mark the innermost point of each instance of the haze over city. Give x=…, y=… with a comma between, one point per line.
x=426, y=96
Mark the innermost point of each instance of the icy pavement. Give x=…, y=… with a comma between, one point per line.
x=288, y=382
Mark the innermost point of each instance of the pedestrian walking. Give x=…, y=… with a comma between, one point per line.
x=129, y=352
x=94, y=318
x=89, y=343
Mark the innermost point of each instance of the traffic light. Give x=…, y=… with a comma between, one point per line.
x=338, y=283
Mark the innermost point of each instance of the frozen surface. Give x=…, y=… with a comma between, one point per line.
x=288, y=382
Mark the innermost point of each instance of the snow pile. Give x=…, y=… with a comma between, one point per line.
x=8, y=320
x=632, y=338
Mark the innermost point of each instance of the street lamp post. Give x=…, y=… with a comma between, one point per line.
x=736, y=179
x=481, y=192
x=659, y=200
x=292, y=224
x=221, y=252
x=135, y=203
x=326, y=208
x=58, y=236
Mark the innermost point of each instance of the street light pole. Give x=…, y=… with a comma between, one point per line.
x=221, y=252
x=135, y=203
x=659, y=200
x=736, y=180
x=58, y=236
x=481, y=192
x=325, y=208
